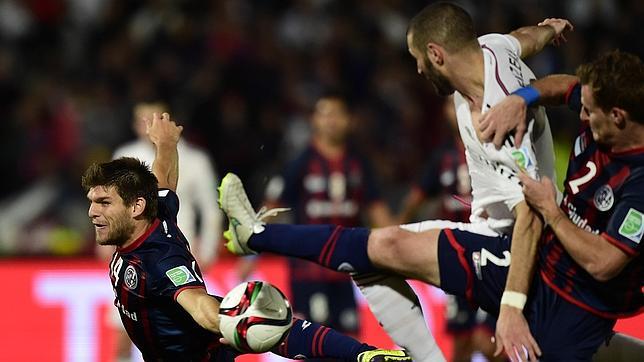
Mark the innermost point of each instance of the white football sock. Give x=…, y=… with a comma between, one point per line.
x=398, y=310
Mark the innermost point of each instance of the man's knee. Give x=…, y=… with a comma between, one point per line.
x=384, y=244
x=411, y=254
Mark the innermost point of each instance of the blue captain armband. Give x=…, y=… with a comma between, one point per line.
x=529, y=94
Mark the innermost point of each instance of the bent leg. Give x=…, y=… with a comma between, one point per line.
x=411, y=250
x=411, y=254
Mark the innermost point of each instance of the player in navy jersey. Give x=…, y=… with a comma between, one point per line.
x=159, y=289
x=604, y=180
x=328, y=183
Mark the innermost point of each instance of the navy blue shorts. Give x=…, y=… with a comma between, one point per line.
x=475, y=266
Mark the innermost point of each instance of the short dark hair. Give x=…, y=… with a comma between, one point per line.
x=131, y=178
x=446, y=24
x=617, y=80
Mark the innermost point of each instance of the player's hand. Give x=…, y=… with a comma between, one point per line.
x=513, y=335
x=560, y=26
x=541, y=195
x=161, y=130
x=500, y=120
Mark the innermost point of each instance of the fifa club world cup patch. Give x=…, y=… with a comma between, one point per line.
x=633, y=226
x=522, y=158
x=180, y=275
x=131, y=279
x=604, y=198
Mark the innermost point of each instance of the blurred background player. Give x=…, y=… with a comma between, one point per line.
x=328, y=183
x=444, y=192
x=199, y=217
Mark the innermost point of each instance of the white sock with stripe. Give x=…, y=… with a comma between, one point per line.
x=397, y=308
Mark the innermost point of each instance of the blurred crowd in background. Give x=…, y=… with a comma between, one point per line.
x=241, y=76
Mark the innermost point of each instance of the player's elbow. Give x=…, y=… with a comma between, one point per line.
x=207, y=319
x=602, y=270
x=607, y=263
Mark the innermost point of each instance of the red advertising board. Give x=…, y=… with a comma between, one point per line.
x=57, y=310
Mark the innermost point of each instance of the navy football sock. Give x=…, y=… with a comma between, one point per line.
x=312, y=340
x=335, y=247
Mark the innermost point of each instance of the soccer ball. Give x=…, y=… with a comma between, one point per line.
x=255, y=317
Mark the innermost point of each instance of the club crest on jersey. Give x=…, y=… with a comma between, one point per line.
x=633, y=226
x=180, y=275
x=604, y=198
x=131, y=279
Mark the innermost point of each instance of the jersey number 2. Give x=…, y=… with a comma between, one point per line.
x=486, y=255
x=592, y=171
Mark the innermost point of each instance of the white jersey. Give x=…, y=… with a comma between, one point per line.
x=197, y=191
x=495, y=185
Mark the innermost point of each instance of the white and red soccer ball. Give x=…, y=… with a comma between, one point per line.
x=255, y=317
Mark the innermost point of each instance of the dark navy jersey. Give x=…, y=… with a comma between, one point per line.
x=446, y=176
x=328, y=191
x=604, y=194
x=147, y=276
x=325, y=191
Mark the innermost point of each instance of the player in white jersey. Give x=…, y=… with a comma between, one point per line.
x=478, y=83
x=442, y=40
x=495, y=187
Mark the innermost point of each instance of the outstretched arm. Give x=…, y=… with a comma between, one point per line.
x=203, y=307
x=534, y=38
x=165, y=134
x=512, y=331
x=510, y=114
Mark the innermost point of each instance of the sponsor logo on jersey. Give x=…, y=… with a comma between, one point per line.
x=180, y=275
x=125, y=312
x=130, y=278
x=633, y=226
x=604, y=198
x=346, y=267
x=577, y=219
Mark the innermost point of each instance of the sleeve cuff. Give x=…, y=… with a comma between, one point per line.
x=619, y=245
x=571, y=88
x=176, y=294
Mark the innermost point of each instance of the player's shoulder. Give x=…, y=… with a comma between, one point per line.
x=500, y=42
x=635, y=179
x=164, y=241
